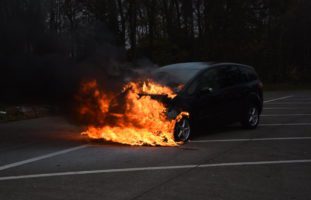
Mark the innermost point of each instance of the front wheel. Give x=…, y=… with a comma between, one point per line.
x=250, y=118
x=182, y=130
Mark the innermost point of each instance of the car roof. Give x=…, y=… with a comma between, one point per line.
x=187, y=65
x=199, y=65
x=184, y=72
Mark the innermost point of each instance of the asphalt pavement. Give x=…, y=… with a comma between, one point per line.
x=47, y=158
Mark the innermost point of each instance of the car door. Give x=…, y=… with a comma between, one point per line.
x=207, y=99
x=232, y=90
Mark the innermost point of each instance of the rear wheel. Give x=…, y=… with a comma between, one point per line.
x=250, y=118
x=182, y=130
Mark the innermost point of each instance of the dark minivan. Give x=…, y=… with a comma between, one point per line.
x=224, y=92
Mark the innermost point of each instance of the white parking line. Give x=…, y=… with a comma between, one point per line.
x=154, y=168
x=23, y=162
x=251, y=139
x=281, y=98
x=289, y=124
x=284, y=115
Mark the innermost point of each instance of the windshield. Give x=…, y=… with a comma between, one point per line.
x=177, y=75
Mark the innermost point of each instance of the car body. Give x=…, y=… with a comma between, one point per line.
x=224, y=92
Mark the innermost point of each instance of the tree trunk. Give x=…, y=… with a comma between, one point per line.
x=133, y=25
x=122, y=22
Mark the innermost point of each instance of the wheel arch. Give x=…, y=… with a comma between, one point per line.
x=254, y=98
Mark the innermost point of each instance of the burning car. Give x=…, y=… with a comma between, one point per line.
x=164, y=109
x=222, y=92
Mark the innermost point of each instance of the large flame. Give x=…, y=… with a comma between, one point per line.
x=138, y=118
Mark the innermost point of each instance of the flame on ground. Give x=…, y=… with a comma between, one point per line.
x=132, y=117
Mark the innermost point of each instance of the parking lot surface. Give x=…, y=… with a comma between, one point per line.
x=47, y=158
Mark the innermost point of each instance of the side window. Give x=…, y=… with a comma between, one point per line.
x=244, y=75
x=229, y=76
x=252, y=75
x=249, y=74
x=210, y=80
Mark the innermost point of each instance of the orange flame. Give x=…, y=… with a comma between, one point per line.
x=137, y=120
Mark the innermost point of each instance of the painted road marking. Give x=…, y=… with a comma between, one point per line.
x=284, y=115
x=281, y=98
x=289, y=124
x=251, y=139
x=23, y=162
x=137, y=169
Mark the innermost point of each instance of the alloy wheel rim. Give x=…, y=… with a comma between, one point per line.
x=253, y=116
x=183, y=130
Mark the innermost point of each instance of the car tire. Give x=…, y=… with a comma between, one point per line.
x=182, y=130
x=251, y=116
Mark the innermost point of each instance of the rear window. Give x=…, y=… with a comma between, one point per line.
x=229, y=76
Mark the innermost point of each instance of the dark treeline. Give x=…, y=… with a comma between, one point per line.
x=55, y=35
